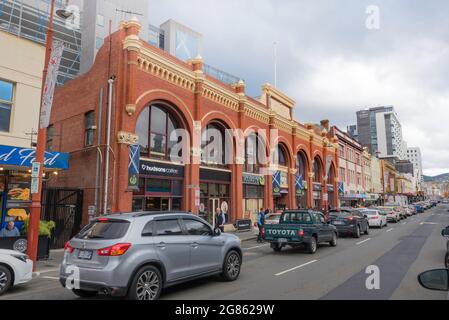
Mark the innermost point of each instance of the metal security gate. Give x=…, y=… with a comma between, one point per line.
x=65, y=208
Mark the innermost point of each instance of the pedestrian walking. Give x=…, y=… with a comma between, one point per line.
x=260, y=224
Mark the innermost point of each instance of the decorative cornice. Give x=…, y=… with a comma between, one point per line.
x=278, y=95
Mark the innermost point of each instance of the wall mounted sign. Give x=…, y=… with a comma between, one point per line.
x=161, y=169
x=277, y=183
x=24, y=157
x=253, y=179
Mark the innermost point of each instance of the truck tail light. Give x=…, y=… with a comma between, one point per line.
x=115, y=250
x=301, y=233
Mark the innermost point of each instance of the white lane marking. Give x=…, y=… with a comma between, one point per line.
x=359, y=243
x=295, y=268
x=404, y=223
x=430, y=223
x=390, y=229
x=251, y=248
x=51, y=278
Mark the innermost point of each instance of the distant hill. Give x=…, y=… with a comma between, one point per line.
x=440, y=178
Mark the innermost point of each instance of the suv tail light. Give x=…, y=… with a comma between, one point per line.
x=68, y=247
x=301, y=233
x=375, y=217
x=115, y=250
x=263, y=232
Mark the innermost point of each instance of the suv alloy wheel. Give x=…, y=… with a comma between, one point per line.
x=232, y=266
x=146, y=285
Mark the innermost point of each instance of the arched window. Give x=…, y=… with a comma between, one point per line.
x=301, y=164
x=213, y=146
x=281, y=156
x=255, y=155
x=154, y=127
x=317, y=170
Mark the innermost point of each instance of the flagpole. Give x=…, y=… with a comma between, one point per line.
x=36, y=198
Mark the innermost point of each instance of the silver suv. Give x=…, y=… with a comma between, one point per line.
x=136, y=255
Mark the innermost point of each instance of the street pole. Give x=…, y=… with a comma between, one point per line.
x=36, y=198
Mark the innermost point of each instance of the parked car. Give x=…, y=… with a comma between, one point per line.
x=392, y=215
x=273, y=218
x=300, y=228
x=137, y=255
x=375, y=218
x=353, y=222
x=419, y=208
x=15, y=269
x=408, y=211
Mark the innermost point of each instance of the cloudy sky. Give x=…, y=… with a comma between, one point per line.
x=330, y=62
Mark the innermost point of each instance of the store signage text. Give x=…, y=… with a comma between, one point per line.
x=16, y=156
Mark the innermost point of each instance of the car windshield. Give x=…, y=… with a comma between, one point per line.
x=104, y=230
x=273, y=218
x=370, y=213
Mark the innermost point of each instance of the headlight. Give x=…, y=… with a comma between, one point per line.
x=21, y=257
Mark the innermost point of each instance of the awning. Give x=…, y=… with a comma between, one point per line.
x=23, y=157
x=350, y=197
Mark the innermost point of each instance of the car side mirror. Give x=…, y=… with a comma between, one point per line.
x=437, y=279
x=217, y=232
x=445, y=232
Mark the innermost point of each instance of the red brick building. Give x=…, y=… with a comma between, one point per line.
x=154, y=93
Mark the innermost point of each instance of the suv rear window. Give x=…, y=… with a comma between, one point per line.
x=104, y=230
x=297, y=217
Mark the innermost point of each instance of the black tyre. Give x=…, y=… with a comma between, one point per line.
x=277, y=248
x=446, y=260
x=5, y=279
x=232, y=266
x=357, y=233
x=367, y=229
x=84, y=293
x=312, y=246
x=333, y=242
x=146, y=285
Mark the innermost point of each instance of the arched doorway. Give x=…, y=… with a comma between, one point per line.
x=331, y=188
x=301, y=180
x=161, y=182
x=215, y=175
x=280, y=178
x=317, y=184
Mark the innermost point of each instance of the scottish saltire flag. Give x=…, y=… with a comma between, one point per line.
x=133, y=166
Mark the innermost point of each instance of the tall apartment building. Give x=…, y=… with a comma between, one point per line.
x=379, y=129
x=414, y=156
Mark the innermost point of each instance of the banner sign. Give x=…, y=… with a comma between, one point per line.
x=133, y=166
x=23, y=157
x=50, y=83
x=341, y=188
x=277, y=183
x=328, y=166
x=299, y=185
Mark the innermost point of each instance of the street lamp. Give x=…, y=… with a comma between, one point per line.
x=33, y=229
x=64, y=13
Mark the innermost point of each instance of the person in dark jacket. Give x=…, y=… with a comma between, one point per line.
x=260, y=224
x=221, y=219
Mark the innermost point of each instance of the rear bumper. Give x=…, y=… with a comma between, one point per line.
x=345, y=229
x=97, y=287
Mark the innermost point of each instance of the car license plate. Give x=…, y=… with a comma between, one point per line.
x=85, y=254
x=282, y=240
x=338, y=222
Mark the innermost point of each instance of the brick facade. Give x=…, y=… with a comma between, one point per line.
x=144, y=74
